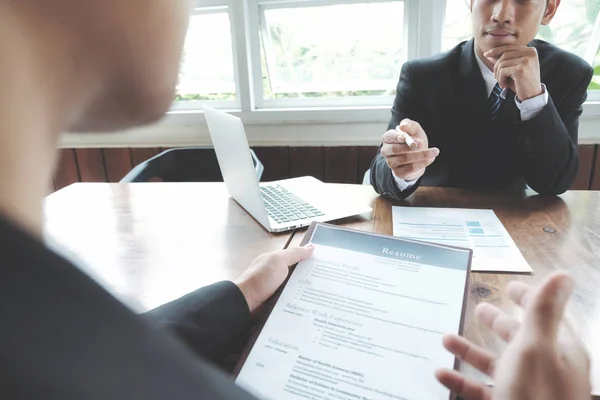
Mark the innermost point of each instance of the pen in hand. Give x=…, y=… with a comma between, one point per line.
x=407, y=139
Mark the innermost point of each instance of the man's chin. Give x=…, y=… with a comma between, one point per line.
x=492, y=41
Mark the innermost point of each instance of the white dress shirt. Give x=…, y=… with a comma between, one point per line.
x=529, y=108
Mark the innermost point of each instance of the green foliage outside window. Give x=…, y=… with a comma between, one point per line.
x=577, y=36
x=205, y=97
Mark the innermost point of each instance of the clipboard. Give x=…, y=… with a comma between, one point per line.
x=267, y=308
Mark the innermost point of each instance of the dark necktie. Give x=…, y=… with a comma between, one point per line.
x=495, y=101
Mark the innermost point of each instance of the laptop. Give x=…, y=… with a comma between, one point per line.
x=280, y=205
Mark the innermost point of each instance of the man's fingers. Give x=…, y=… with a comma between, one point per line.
x=296, y=254
x=498, y=51
x=467, y=388
x=408, y=162
x=413, y=128
x=390, y=137
x=495, y=319
x=509, y=55
x=505, y=75
x=570, y=338
x=409, y=169
x=502, y=65
x=405, y=155
x=395, y=136
x=546, y=309
x=479, y=358
x=406, y=127
x=520, y=293
x=401, y=136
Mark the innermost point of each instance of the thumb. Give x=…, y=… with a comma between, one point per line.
x=409, y=126
x=295, y=255
x=547, y=307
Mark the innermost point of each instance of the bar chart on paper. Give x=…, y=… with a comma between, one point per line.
x=480, y=230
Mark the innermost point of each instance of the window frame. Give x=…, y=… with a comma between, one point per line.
x=257, y=12
x=206, y=7
x=424, y=21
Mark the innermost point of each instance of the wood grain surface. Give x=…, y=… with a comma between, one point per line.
x=150, y=243
x=573, y=244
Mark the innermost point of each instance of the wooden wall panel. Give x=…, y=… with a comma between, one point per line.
x=365, y=156
x=306, y=161
x=276, y=161
x=330, y=164
x=595, y=180
x=141, y=154
x=67, y=171
x=118, y=163
x=91, y=165
x=586, y=159
x=340, y=164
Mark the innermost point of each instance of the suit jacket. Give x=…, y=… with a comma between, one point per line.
x=64, y=337
x=447, y=95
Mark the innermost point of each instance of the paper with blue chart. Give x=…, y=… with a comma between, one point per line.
x=479, y=230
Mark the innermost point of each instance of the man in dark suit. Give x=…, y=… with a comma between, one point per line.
x=493, y=113
x=111, y=64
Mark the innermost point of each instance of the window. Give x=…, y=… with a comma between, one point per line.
x=288, y=57
x=595, y=84
x=207, y=71
x=331, y=51
x=457, y=24
x=575, y=27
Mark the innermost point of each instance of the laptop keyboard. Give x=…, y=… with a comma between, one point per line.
x=283, y=206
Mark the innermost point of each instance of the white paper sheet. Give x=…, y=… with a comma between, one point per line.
x=479, y=230
x=363, y=319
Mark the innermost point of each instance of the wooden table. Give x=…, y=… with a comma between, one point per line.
x=574, y=246
x=151, y=243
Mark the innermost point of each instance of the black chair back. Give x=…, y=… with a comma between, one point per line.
x=190, y=164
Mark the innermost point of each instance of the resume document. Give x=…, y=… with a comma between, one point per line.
x=362, y=319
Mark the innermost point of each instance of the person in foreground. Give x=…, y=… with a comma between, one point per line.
x=545, y=358
x=494, y=113
x=89, y=65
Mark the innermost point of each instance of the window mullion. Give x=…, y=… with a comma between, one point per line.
x=240, y=55
x=252, y=13
x=594, y=43
x=411, y=28
x=430, y=22
x=438, y=18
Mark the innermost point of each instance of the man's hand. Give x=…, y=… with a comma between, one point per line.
x=517, y=68
x=406, y=163
x=267, y=272
x=544, y=359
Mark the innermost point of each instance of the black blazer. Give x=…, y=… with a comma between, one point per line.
x=447, y=95
x=64, y=337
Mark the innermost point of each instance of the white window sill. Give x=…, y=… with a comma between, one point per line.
x=348, y=126
x=304, y=115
